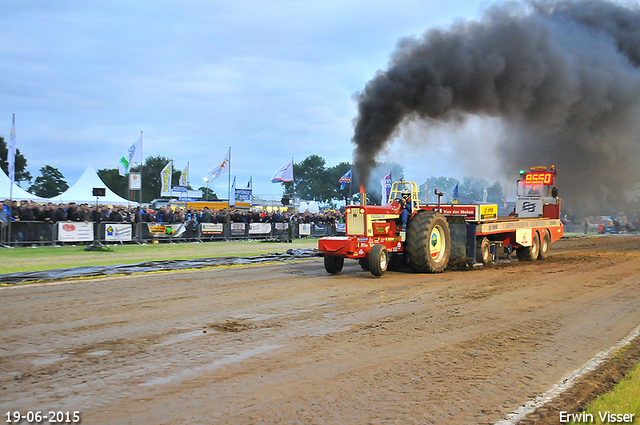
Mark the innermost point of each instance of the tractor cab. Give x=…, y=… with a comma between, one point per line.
x=399, y=187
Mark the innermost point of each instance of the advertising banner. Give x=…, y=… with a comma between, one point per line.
x=161, y=230
x=341, y=228
x=282, y=226
x=212, y=228
x=238, y=229
x=75, y=232
x=259, y=228
x=243, y=195
x=319, y=228
x=118, y=232
x=304, y=229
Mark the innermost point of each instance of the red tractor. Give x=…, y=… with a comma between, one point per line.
x=438, y=235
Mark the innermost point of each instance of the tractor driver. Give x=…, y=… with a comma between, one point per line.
x=405, y=204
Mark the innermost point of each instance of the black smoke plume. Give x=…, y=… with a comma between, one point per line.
x=562, y=76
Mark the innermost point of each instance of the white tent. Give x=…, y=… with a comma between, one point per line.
x=82, y=191
x=19, y=194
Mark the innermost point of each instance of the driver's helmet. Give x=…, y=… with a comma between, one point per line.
x=406, y=193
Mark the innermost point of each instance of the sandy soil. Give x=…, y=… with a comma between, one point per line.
x=287, y=343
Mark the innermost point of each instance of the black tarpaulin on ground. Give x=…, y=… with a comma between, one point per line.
x=152, y=266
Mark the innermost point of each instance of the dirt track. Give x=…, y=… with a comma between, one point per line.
x=286, y=343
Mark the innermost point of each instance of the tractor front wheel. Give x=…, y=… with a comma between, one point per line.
x=378, y=260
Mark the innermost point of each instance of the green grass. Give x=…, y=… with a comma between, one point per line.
x=623, y=398
x=47, y=258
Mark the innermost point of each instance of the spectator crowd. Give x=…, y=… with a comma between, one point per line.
x=25, y=212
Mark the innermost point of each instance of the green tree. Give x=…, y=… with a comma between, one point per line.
x=208, y=193
x=151, y=183
x=49, y=184
x=21, y=163
x=114, y=181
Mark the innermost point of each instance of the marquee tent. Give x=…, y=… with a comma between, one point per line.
x=19, y=194
x=82, y=191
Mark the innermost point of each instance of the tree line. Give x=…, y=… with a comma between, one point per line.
x=314, y=180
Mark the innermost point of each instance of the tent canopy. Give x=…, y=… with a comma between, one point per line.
x=82, y=191
x=19, y=194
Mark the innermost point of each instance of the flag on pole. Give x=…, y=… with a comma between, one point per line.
x=345, y=179
x=11, y=152
x=184, y=177
x=232, y=193
x=454, y=200
x=250, y=184
x=386, y=189
x=133, y=155
x=284, y=174
x=223, y=168
x=484, y=194
x=165, y=179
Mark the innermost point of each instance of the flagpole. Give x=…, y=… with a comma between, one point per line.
x=141, y=165
x=229, y=184
x=13, y=175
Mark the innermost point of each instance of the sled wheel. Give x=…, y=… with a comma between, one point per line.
x=483, y=251
x=428, y=242
x=545, y=245
x=378, y=260
x=333, y=264
x=530, y=253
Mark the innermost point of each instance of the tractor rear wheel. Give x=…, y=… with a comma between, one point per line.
x=428, y=242
x=333, y=264
x=483, y=251
x=378, y=260
x=545, y=245
x=530, y=253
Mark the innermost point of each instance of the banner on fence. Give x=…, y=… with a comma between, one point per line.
x=341, y=228
x=320, y=228
x=75, y=232
x=118, y=232
x=282, y=226
x=237, y=229
x=158, y=230
x=212, y=228
x=259, y=228
x=304, y=229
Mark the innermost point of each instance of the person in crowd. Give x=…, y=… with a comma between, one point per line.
x=116, y=215
x=84, y=214
x=72, y=212
x=206, y=215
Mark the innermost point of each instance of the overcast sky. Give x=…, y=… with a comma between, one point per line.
x=273, y=80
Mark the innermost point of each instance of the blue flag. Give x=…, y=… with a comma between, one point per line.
x=454, y=200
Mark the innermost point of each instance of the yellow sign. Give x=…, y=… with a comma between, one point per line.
x=488, y=212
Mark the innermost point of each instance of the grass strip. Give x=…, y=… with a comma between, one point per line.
x=622, y=399
x=47, y=258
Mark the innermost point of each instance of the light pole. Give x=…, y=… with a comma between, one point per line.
x=206, y=194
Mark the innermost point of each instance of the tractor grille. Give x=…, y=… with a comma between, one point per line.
x=355, y=222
